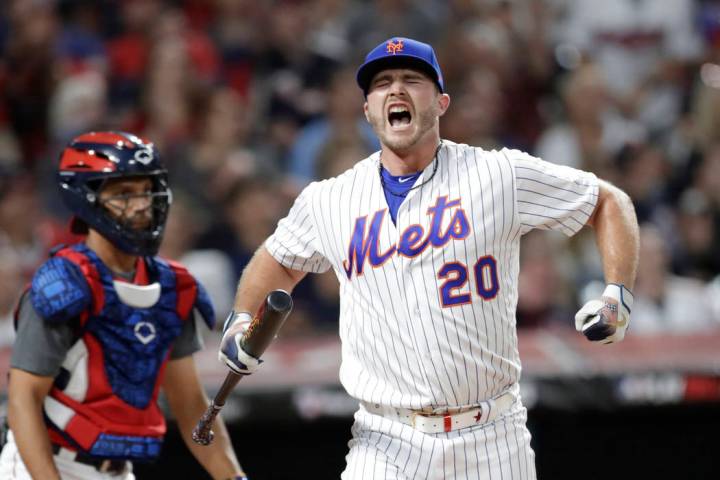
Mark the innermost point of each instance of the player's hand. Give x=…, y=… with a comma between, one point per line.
x=231, y=354
x=606, y=320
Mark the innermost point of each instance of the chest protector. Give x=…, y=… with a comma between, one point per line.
x=104, y=401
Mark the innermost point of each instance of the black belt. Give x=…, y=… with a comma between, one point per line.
x=104, y=465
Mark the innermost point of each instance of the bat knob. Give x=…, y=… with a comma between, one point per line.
x=202, y=436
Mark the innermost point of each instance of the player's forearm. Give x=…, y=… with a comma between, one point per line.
x=25, y=417
x=617, y=235
x=262, y=275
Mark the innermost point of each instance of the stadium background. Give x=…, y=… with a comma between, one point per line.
x=250, y=100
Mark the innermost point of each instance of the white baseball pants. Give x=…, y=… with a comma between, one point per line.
x=386, y=449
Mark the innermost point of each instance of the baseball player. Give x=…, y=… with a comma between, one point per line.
x=104, y=325
x=424, y=238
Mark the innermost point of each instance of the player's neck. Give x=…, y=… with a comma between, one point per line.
x=115, y=259
x=414, y=160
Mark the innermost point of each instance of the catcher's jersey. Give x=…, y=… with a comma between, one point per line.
x=427, y=306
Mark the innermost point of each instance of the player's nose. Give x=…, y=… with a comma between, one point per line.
x=397, y=87
x=140, y=203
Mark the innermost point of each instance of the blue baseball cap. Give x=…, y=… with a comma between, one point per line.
x=399, y=52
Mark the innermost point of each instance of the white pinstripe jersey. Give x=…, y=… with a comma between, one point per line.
x=427, y=307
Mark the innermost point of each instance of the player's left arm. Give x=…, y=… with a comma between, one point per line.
x=617, y=235
x=187, y=400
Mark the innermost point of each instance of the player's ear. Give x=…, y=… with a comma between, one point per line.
x=443, y=103
x=365, y=111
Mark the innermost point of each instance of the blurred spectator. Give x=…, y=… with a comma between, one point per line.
x=696, y=254
x=528, y=78
x=330, y=28
x=377, y=20
x=339, y=155
x=706, y=96
x=237, y=32
x=249, y=215
x=182, y=65
x=544, y=294
x=477, y=116
x=706, y=108
x=509, y=41
x=29, y=60
x=592, y=132
x=666, y=303
x=221, y=155
x=25, y=232
x=642, y=171
x=708, y=176
x=12, y=281
x=10, y=156
x=80, y=45
x=78, y=105
x=342, y=121
x=128, y=52
x=297, y=75
x=643, y=47
x=212, y=267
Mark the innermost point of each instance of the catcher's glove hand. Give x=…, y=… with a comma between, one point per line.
x=231, y=353
x=606, y=320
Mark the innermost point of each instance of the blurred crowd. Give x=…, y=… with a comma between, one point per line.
x=250, y=100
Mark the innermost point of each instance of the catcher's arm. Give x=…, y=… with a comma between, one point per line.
x=26, y=394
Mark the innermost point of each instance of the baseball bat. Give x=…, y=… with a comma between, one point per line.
x=270, y=317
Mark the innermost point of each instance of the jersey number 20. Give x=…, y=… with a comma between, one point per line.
x=455, y=275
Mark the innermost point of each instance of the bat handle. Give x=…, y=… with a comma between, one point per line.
x=202, y=434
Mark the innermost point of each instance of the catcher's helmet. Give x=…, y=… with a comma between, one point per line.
x=89, y=161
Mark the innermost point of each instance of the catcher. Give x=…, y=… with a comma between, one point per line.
x=104, y=325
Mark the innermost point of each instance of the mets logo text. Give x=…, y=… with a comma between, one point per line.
x=394, y=47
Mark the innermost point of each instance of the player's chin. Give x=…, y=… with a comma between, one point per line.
x=139, y=224
x=399, y=143
x=401, y=135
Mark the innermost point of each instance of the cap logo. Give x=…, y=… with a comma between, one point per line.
x=394, y=47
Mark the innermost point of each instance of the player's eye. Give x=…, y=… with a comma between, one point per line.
x=381, y=83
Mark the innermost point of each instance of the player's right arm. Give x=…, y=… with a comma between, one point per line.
x=262, y=274
x=27, y=393
x=280, y=263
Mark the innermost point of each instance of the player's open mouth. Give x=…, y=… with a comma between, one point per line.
x=399, y=116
